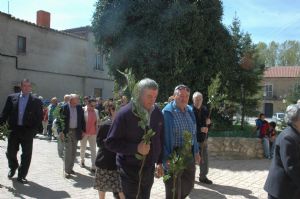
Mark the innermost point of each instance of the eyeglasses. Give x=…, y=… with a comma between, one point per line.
x=182, y=87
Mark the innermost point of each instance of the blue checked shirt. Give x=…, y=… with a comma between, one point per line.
x=182, y=121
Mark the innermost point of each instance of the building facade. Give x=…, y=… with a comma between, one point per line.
x=57, y=62
x=278, y=82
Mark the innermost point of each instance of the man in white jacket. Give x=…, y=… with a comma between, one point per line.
x=92, y=122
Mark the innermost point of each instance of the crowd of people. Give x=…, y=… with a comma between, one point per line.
x=119, y=137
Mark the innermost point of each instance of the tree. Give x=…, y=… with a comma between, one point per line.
x=247, y=73
x=276, y=54
x=272, y=54
x=294, y=94
x=170, y=41
x=289, y=53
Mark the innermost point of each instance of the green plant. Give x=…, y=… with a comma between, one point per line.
x=57, y=113
x=178, y=160
x=4, y=131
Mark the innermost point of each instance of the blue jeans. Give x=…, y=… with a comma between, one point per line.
x=266, y=146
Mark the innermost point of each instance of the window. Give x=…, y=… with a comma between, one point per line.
x=268, y=90
x=21, y=44
x=99, y=62
x=97, y=92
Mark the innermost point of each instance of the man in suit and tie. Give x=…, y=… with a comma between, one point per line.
x=71, y=131
x=24, y=114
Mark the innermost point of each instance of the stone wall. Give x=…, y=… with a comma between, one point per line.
x=235, y=148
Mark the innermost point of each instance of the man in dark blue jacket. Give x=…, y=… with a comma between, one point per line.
x=125, y=139
x=24, y=113
x=71, y=130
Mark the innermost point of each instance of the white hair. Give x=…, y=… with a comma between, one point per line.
x=292, y=113
x=146, y=83
x=72, y=96
x=196, y=94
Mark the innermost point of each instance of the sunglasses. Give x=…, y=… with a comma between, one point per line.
x=182, y=87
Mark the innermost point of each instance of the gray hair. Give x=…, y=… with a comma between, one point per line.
x=196, y=94
x=146, y=83
x=72, y=96
x=292, y=113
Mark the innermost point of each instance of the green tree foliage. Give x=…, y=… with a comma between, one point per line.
x=170, y=41
x=289, y=53
x=294, y=94
x=280, y=54
x=246, y=74
x=179, y=41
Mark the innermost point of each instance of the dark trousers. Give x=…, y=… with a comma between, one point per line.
x=204, y=160
x=17, y=137
x=130, y=180
x=184, y=183
x=49, y=129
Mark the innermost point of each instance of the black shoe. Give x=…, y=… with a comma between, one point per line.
x=22, y=180
x=11, y=173
x=72, y=172
x=67, y=175
x=206, y=181
x=82, y=165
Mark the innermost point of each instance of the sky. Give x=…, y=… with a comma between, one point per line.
x=265, y=20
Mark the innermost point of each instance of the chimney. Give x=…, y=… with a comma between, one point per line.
x=43, y=18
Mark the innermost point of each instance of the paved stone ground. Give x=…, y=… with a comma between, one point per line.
x=236, y=179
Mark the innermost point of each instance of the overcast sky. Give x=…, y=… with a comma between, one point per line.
x=265, y=20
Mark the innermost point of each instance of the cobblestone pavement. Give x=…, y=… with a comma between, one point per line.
x=236, y=179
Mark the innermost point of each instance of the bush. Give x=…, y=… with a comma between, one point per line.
x=234, y=131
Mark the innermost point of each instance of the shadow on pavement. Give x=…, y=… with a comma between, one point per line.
x=83, y=181
x=34, y=190
x=229, y=190
x=204, y=192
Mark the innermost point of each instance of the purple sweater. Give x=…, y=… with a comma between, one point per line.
x=125, y=135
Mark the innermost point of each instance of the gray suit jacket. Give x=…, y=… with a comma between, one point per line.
x=284, y=176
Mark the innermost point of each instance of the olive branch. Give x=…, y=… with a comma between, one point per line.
x=178, y=160
x=4, y=131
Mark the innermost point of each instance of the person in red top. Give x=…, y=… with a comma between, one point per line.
x=92, y=121
x=263, y=135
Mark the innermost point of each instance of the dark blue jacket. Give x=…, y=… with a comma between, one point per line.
x=201, y=115
x=33, y=114
x=125, y=135
x=105, y=159
x=284, y=176
x=65, y=113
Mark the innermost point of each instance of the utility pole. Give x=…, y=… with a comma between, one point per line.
x=8, y=7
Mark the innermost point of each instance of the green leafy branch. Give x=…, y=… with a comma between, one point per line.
x=59, y=118
x=4, y=131
x=178, y=160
